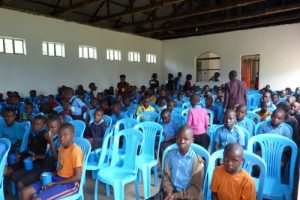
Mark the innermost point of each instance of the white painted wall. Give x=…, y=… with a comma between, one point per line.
x=278, y=46
x=45, y=74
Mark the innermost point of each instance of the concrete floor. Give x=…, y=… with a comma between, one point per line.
x=89, y=191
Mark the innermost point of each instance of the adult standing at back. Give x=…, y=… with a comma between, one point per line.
x=235, y=92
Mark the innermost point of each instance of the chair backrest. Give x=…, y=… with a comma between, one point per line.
x=197, y=148
x=247, y=136
x=253, y=116
x=218, y=111
x=3, y=160
x=107, y=120
x=130, y=113
x=68, y=119
x=58, y=109
x=176, y=111
x=79, y=127
x=179, y=119
x=250, y=160
x=186, y=105
x=27, y=127
x=152, y=133
x=85, y=147
x=272, y=149
x=105, y=152
x=251, y=102
x=125, y=123
x=148, y=116
x=185, y=113
x=133, y=140
x=211, y=117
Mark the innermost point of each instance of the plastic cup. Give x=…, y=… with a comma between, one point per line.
x=28, y=165
x=12, y=158
x=92, y=157
x=46, y=178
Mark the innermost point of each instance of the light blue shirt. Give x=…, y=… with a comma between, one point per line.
x=281, y=129
x=247, y=124
x=181, y=168
x=14, y=132
x=116, y=118
x=170, y=129
x=76, y=105
x=224, y=136
x=56, y=145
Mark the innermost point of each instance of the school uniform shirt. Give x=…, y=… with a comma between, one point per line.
x=143, y=109
x=281, y=129
x=248, y=124
x=56, y=145
x=198, y=120
x=37, y=143
x=263, y=116
x=224, y=136
x=153, y=83
x=169, y=129
x=96, y=131
x=13, y=132
x=76, y=105
x=68, y=159
x=239, y=186
x=116, y=118
x=183, y=175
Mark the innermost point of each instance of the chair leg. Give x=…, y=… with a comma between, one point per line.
x=146, y=173
x=96, y=190
x=137, y=189
x=94, y=174
x=155, y=175
x=118, y=191
x=13, y=188
x=107, y=190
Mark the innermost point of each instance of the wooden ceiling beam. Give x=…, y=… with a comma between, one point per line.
x=203, y=11
x=76, y=6
x=269, y=11
x=144, y=8
x=219, y=29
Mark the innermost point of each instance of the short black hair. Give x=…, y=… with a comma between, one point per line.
x=233, y=74
x=67, y=126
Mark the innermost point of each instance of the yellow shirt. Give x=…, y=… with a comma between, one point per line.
x=238, y=186
x=69, y=158
x=143, y=109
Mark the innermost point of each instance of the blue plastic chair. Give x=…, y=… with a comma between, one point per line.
x=185, y=113
x=272, y=148
x=58, y=109
x=253, y=116
x=186, y=105
x=124, y=124
x=79, y=127
x=250, y=160
x=85, y=147
x=24, y=144
x=218, y=112
x=68, y=119
x=176, y=111
x=148, y=116
x=3, y=160
x=152, y=133
x=117, y=176
x=198, y=149
x=251, y=102
x=130, y=113
x=257, y=126
x=179, y=119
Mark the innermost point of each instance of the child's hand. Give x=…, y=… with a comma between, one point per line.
x=170, y=197
x=91, y=140
x=49, y=136
x=49, y=185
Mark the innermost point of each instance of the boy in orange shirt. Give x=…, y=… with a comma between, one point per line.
x=229, y=180
x=66, y=180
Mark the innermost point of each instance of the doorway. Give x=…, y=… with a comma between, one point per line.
x=250, y=70
x=207, y=64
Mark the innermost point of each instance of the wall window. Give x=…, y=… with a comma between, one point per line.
x=134, y=56
x=87, y=52
x=12, y=45
x=112, y=54
x=53, y=49
x=150, y=58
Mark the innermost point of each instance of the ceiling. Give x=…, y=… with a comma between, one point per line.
x=166, y=19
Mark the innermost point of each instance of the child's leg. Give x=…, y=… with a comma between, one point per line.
x=29, y=191
x=28, y=179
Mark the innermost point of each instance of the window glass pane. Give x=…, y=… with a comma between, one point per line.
x=19, y=46
x=91, y=52
x=1, y=45
x=154, y=59
x=95, y=53
x=107, y=54
x=80, y=52
x=45, y=48
x=116, y=55
x=63, y=50
x=85, y=52
x=51, y=49
x=8, y=46
x=58, y=50
x=111, y=54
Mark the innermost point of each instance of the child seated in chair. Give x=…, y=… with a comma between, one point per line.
x=117, y=113
x=178, y=183
x=66, y=180
x=229, y=132
x=276, y=125
x=161, y=104
x=264, y=111
x=145, y=106
x=95, y=131
x=242, y=120
x=22, y=177
x=11, y=129
x=229, y=181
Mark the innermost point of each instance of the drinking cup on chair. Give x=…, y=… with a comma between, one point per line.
x=12, y=158
x=28, y=165
x=46, y=178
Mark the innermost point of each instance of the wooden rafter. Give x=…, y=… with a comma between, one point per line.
x=144, y=8
x=270, y=11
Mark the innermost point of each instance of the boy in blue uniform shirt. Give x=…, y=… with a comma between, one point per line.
x=184, y=169
x=243, y=121
x=228, y=133
x=11, y=129
x=117, y=113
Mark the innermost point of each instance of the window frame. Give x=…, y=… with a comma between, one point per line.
x=55, y=44
x=82, y=47
x=13, y=45
x=113, y=55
